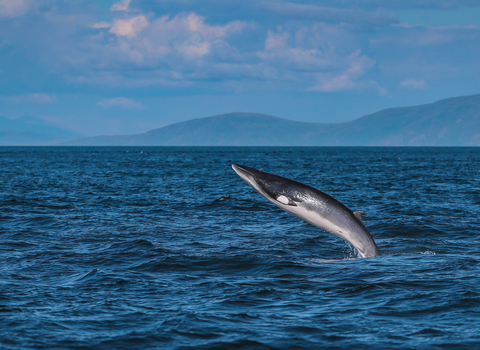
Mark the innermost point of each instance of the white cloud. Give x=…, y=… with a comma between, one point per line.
x=177, y=48
x=187, y=35
x=123, y=102
x=183, y=49
x=13, y=8
x=120, y=6
x=39, y=98
x=142, y=49
x=473, y=27
x=276, y=40
x=313, y=57
x=294, y=56
x=129, y=27
x=359, y=65
x=374, y=16
x=100, y=25
x=414, y=84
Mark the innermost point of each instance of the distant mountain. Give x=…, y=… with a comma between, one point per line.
x=233, y=129
x=29, y=131
x=450, y=122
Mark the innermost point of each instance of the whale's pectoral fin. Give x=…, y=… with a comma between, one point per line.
x=359, y=214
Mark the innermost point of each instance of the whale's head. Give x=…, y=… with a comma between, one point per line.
x=278, y=190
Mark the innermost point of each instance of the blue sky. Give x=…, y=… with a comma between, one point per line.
x=116, y=67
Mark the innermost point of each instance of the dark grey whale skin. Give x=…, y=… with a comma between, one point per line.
x=313, y=206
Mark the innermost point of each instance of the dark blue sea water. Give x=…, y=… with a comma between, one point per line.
x=167, y=248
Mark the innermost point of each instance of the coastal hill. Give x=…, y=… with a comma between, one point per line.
x=449, y=122
x=30, y=131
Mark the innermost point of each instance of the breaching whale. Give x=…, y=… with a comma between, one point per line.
x=313, y=206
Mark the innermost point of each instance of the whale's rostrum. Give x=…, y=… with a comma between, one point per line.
x=313, y=206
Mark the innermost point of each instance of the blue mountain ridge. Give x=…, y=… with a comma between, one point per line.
x=30, y=131
x=449, y=122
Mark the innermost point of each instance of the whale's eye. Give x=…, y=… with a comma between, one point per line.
x=284, y=200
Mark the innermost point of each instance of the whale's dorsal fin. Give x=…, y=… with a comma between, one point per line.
x=359, y=214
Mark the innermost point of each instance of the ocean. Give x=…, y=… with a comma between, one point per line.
x=167, y=248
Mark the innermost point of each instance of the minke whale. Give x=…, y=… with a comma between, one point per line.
x=313, y=206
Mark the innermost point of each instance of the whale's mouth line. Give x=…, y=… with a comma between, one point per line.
x=239, y=169
x=245, y=174
x=254, y=181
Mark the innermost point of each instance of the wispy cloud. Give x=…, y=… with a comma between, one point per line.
x=14, y=8
x=122, y=102
x=184, y=35
x=408, y=25
x=306, y=45
x=121, y=6
x=358, y=67
x=413, y=84
x=129, y=27
x=100, y=25
x=374, y=16
x=39, y=98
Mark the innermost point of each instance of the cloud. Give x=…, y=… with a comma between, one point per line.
x=276, y=40
x=185, y=49
x=129, y=27
x=409, y=4
x=172, y=49
x=186, y=35
x=123, y=102
x=414, y=84
x=182, y=50
x=289, y=52
x=101, y=25
x=120, y=6
x=13, y=8
x=39, y=98
x=318, y=57
x=312, y=46
x=439, y=28
x=359, y=65
x=331, y=14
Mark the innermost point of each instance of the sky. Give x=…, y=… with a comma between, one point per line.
x=102, y=67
